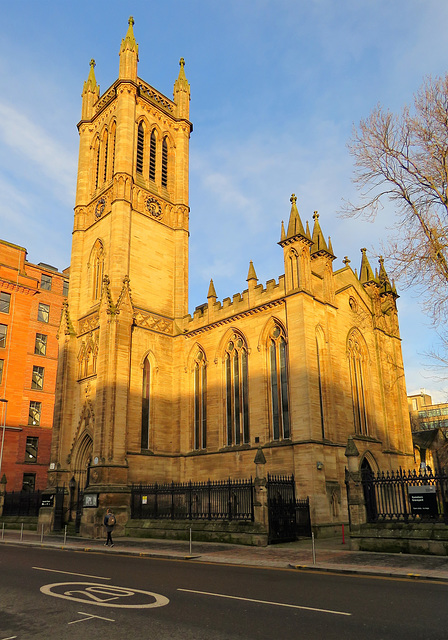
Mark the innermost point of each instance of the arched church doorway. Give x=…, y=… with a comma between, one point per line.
x=81, y=462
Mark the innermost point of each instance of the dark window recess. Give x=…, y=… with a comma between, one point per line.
x=5, y=301
x=140, y=147
x=40, y=346
x=152, y=157
x=105, y=160
x=1, y=370
x=43, y=313
x=65, y=288
x=3, y=332
x=97, y=166
x=146, y=404
x=35, y=413
x=164, y=163
x=37, y=381
x=29, y=482
x=45, y=282
x=31, y=449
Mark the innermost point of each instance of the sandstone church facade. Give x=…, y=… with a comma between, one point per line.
x=146, y=392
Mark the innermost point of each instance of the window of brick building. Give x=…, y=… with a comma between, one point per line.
x=65, y=288
x=43, y=313
x=37, y=381
x=29, y=482
x=3, y=332
x=1, y=370
x=5, y=301
x=35, y=413
x=45, y=282
x=40, y=346
x=32, y=444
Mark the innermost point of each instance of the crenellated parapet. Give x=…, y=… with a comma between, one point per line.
x=252, y=300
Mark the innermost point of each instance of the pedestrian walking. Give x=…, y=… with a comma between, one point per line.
x=109, y=523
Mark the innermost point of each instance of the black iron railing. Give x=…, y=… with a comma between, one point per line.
x=22, y=503
x=406, y=496
x=219, y=500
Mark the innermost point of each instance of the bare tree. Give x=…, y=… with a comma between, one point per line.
x=404, y=159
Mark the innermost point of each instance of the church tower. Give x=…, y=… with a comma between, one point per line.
x=128, y=274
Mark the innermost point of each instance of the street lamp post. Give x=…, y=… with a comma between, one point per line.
x=5, y=404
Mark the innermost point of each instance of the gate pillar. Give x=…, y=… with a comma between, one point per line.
x=357, y=514
x=261, y=493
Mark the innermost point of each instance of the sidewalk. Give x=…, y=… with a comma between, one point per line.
x=330, y=554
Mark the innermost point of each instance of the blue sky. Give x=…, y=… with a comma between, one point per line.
x=276, y=86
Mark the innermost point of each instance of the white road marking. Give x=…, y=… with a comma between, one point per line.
x=101, y=595
x=10, y=638
x=277, y=604
x=89, y=617
x=71, y=573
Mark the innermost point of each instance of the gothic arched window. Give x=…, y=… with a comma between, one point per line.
x=146, y=389
x=357, y=360
x=278, y=362
x=113, y=131
x=200, y=402
x=97, y=163
x=152, y=156
x=140, y=148
x=237, y=400
x=98, y=269
x=105, y=150
x=164, y=162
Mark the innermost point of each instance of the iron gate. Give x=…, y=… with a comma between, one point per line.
x=288, y=518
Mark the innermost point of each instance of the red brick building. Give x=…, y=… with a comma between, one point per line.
x=31, y=298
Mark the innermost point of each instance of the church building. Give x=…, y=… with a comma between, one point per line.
x=148, y=393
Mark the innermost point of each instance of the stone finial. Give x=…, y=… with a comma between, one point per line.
x=211, y=291
x=351, y=450
x=346, y=261
x=3, y=480
x=259, y=457
x=251, y=274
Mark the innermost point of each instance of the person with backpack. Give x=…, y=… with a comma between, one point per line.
x=109, y=523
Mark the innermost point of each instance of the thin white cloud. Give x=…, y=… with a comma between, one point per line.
x=27, y=140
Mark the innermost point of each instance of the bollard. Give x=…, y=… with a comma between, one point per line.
x=314, y=550
x=42, y=534
x=21, y=533
x=65, y=534
x=3, y=531
x=343, y=534
x=190, y=541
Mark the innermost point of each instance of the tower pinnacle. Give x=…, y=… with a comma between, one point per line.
x=129, y=54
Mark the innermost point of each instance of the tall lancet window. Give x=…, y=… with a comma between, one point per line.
x=237, y=391
x=98, y=269
x=97, y=163
x=357, y=357
x=164, y=162
x=140, y=148
x=111, y=169
x=146, y=389
x=320, y=381
x=152, y=156
x=200, y=402
x=106, y=148
x=278, y=361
